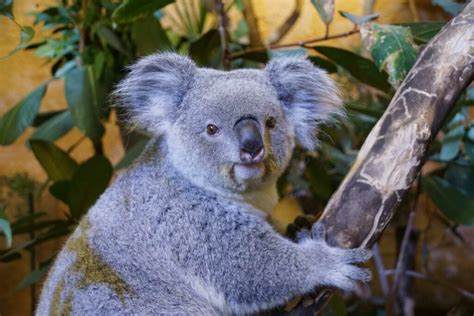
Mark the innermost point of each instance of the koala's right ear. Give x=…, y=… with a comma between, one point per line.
x=153, y=90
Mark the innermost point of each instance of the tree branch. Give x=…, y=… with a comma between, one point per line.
x=252, y=21
x=304, y=44
x=287, y=25
x=403, y=249
x=222, y=18
x=381, y=272
x=417, y=275
x=393, y=153
x=401, y=293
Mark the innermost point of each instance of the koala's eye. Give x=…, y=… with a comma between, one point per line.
x=271, y=122
x=212, y=129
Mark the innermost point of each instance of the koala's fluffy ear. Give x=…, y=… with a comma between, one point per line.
x=308, y=94
x=153, y=90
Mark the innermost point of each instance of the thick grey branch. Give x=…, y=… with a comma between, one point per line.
x=393, y=153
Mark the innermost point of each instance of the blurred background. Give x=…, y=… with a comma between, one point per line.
x=61, y=142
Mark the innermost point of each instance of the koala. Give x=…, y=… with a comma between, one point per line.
x=183, y=231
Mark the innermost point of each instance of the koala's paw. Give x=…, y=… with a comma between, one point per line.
x=345, y=273
x=338, y=265
x=317, y=233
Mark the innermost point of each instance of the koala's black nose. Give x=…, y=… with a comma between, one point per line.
x=250, y=140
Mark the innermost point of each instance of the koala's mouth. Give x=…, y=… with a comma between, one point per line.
x=249, y=171
x=253, y=174
x=249, y=175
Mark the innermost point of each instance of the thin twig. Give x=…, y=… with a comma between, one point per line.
x=380, y=270
x=77, y=143
x=413, y=10
x=226, y=58
x=31, y=211
x=283, y=29
x=295, y=44
x=82, y=30
x=403, y=248
x=368, y=7
x=400, y=268
x=421, y=276
x=253, y=23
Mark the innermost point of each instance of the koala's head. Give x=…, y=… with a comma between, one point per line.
x=233, y=131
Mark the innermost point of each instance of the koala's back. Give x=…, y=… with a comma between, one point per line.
x=109, y=265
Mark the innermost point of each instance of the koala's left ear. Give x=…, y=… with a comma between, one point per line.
x=153, y=90
x=308, y=94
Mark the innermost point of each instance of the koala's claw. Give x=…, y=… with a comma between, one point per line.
x=302, y=235
x=346, y=273
x=318, y=231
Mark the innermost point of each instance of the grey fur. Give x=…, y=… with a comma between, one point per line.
x=183, y=231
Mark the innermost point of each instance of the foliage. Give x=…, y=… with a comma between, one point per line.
x=89, y=43
x=392, y=48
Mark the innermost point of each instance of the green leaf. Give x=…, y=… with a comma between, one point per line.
x=423, y=32
x=44, y=116
x=461, y=175
x=130, y=10
x=341, y=160
x=449, y=6
x=54, y=128
x=86, y=185
x=454, y=204
x=27, y=219
x=359, y=19
x=108, y=36
x=26, y=35
x=100, y=59
x=469, y=149
x=60, y=190
x=35, y=276
x=359, y=67
x=325, y=64
x=57, y=163
x=452, y=143
x=392, y=48
x=131, y=154
x=5, y=228
x=81, y=96
x=325, y=9
x=470, y=133
x=319, y=179
x=365, y=109
x=288, y=52
x=5, y=256
x=6, y=8
x=16, y=120
x=470, y=94
x=149, y=36
x=57, y=231
x=206, y=50
x=241, y=30
x=261, y=57
x=65, y=68
x=338, y=306
x=34, y=226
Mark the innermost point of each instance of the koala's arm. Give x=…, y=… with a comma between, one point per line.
x=260, y=269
